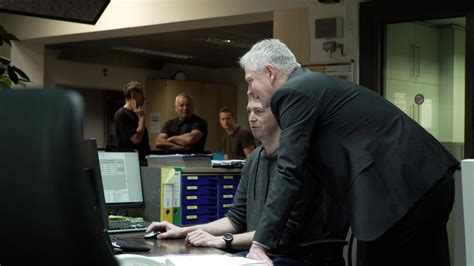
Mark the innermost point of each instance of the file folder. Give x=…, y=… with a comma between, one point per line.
x=177, y=197
x=167, y=186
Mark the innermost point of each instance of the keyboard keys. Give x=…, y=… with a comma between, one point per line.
x=127, y=244
x=128, y=226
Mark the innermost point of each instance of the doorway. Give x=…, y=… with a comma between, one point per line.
x=383, y=60
x=436, y=92
x=424, y=76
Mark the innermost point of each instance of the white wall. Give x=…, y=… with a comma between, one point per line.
x=5, y=50
x=348, y=10
x=29, y=57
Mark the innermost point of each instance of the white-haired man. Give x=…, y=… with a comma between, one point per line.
x=390, y=175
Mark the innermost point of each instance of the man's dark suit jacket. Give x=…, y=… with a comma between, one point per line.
x=368, y=155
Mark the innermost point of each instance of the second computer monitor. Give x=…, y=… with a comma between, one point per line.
x=121, y=178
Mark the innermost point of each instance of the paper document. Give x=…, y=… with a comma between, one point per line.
x=210, y=260
x=180, y=160
x=228, y=163
x=186, y=260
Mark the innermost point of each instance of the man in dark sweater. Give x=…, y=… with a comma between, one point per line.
x=249, y=200
x=130, y=121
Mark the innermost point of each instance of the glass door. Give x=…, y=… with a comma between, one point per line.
x=424, y=76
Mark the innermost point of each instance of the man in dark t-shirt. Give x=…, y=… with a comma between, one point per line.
x=130, y=121
x=238, y=142
x=185, y=133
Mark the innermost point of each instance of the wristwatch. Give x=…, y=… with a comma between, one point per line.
x=228, y=237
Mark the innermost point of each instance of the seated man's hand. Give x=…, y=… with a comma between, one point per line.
x=201, y=238
x=167, y=230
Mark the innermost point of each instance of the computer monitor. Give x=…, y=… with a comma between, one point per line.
x=121, y=178
x=47, y=216
x=91, y=167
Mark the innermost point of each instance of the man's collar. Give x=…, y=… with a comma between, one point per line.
x=185, y=118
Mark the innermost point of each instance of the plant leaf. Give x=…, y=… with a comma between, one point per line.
x=21, y=73
x=5, y=83
x=6, y=37
x=2, y=70
x=12, y=75
x=4, y=60
x=8, y=42
x=11, y=37
x=21, y=83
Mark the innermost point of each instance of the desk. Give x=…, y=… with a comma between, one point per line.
x=167, y=246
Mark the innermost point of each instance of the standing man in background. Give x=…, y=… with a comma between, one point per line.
x=238, y=142
x=391, y=176
x=185, y=133
x=130, y=121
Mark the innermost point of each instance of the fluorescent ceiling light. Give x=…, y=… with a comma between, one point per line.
x=153, y=52
x=224, y=42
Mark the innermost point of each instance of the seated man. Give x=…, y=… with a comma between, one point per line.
x=244, y=214
x=185, y=133
x=238, y=142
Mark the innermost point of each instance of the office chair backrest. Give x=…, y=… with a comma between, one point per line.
x=329, y=251
x=47, y=213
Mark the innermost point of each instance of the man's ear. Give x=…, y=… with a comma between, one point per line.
x=271, y=71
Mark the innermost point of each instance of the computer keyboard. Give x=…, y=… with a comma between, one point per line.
x=127, y=226
x=127, y=244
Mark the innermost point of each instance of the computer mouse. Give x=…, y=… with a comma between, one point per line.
x=151, y=234
x=117, y=250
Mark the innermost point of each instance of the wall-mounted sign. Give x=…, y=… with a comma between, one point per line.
x=340, y=70
x=419, y=99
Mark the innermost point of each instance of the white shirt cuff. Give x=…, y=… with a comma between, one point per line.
x=261, y=245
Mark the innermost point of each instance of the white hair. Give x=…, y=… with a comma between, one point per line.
x=270, y=51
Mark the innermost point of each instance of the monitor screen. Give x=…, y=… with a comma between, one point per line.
x=121, y=178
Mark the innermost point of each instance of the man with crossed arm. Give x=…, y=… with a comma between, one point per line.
x=185, y=133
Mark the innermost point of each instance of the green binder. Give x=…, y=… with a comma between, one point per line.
x=177, y=197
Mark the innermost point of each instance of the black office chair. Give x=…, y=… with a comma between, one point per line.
x=330, y=250
x=47, y=209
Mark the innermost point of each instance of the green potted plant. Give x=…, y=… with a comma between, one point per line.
x=9, y=74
